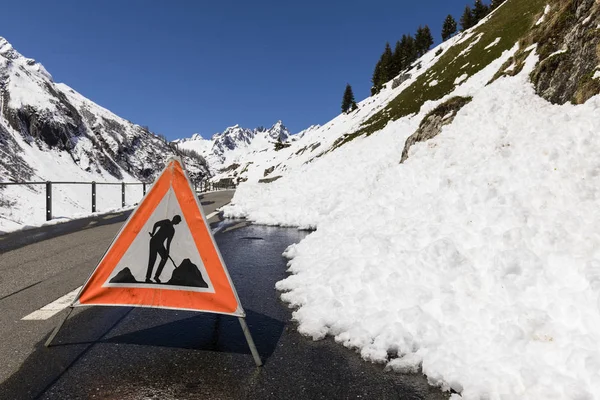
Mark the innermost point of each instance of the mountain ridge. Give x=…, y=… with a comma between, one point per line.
x=235, y=143
x=50, y=132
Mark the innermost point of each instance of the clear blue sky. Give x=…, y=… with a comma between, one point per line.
x=182, y=67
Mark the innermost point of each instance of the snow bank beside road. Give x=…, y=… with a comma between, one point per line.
x=478, y=260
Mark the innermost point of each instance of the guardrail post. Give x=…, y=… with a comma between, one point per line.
x=123, y=194
x=144, y=188
x=94, y=196
x=48, y=200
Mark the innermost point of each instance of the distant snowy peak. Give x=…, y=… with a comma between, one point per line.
x=235, y=142
x=279, y=132
x=236, y=134
x=232, y=137
x=194, y=137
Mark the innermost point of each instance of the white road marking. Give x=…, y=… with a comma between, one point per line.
x=53, y=308
x=216, y=212
x=212, y=214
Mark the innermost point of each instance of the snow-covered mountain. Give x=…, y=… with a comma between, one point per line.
x=457, y=212
x=236, y=146
x=48, y=131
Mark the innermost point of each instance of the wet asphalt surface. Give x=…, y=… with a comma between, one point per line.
x=137, y=353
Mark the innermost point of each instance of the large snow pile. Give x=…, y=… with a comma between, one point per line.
x=476, y=261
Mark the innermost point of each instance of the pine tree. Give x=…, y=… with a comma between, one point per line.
x=410, y=51
x=397, y=58
x=387, y=65
x=419, y=40
x=480, y=10
x=376, y=79
x=449, y=28
x=423, y=40
x=404, y=48
x=348, y=103
x=467, y=21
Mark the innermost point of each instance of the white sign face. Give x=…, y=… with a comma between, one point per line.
x=163, y=255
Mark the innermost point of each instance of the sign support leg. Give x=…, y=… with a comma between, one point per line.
x=253, y=350
x=60, y=324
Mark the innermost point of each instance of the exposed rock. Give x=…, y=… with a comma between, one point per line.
x=269, y=170
x=269, y=180
x=432, y=124
x=569, y=47
x=399, y=80
x=231, y=167
x=279, y=145
x=11, y=162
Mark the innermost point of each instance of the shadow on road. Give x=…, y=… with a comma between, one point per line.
x=14, y=240
x=201, y=332
x=45, y=366
x=210, y=332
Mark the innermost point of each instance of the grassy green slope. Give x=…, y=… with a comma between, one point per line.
x=510, y=23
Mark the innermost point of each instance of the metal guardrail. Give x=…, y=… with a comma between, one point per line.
x=203, y=186
x=207, y=186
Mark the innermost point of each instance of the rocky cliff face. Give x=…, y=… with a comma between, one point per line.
x=36, y=111
x=568, y=45
x=569, y=52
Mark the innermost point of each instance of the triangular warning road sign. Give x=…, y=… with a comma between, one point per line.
x=164, y=256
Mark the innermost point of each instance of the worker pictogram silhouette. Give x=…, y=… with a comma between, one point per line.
x=163, y=231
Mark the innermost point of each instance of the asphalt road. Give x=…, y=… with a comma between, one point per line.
x=135, y=353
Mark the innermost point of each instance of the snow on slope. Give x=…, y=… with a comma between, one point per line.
x=312, y=143
x=476, y=261
x=252, y=156
x=196, y=142
x=480, y=267
x=50, y=132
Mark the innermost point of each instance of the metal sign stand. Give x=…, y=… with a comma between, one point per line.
x=60, y=324
x=251, y=344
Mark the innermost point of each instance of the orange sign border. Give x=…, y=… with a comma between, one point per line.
x=224, y=300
